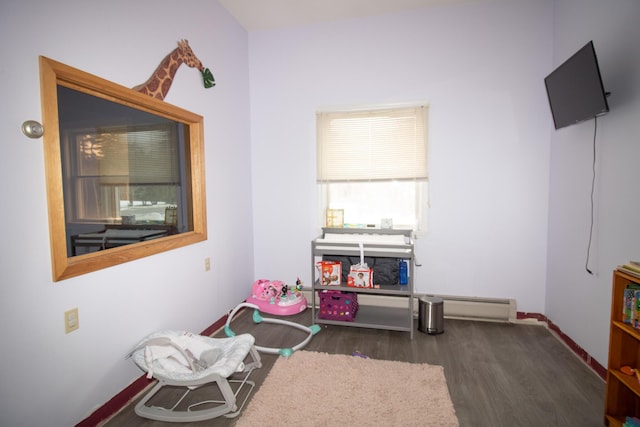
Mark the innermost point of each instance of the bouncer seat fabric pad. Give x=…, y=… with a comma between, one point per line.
x=184, y=356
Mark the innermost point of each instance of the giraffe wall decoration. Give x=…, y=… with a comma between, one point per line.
x=158, y=85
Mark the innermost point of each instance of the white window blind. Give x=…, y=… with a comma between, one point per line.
x=131, y=156
x=154, y=157
x=374, y=145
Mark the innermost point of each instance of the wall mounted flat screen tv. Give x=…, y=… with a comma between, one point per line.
x=575, y=89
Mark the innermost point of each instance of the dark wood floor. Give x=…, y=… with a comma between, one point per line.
x=498, y=374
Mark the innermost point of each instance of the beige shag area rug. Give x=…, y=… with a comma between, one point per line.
x=320, y=389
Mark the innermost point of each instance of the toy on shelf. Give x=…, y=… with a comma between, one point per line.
x=276, y=297
x=628, y=370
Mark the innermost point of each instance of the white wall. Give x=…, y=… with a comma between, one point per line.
x=480, y=66
x=47, y=377
x=577, y=301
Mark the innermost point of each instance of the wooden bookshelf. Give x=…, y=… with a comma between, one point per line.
x=622, y=397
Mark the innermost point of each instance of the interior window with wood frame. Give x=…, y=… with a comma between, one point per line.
x=125, y=172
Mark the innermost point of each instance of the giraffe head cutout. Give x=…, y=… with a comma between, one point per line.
x=158, y=85
x=187, y=55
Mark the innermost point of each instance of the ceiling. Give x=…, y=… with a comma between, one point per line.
x=259, y=15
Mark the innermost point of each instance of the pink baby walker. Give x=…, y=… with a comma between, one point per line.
x=276, y=297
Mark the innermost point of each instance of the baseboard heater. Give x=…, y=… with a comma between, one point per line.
x=455, y=307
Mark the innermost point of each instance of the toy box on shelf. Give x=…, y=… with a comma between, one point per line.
x=360, y=276
x=330, y=272
x=338, y=305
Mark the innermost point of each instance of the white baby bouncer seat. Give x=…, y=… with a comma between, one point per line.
x=190, y=361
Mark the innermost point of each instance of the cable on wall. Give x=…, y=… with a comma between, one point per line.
x=593, y=184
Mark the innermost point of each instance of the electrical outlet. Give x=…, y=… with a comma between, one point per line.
x=71, y=320
x=207, y=264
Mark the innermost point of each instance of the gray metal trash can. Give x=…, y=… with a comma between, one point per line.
x=431, y=315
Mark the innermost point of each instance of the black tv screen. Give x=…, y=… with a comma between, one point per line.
x=575, y=89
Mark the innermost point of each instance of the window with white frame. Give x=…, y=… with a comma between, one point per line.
x=373, y=165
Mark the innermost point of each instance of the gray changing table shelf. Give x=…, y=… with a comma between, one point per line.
x=396, y=318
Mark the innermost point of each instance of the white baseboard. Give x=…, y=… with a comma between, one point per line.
x=455, y=307
x=491, y=309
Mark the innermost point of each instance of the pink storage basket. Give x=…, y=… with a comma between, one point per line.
x=337, y=305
